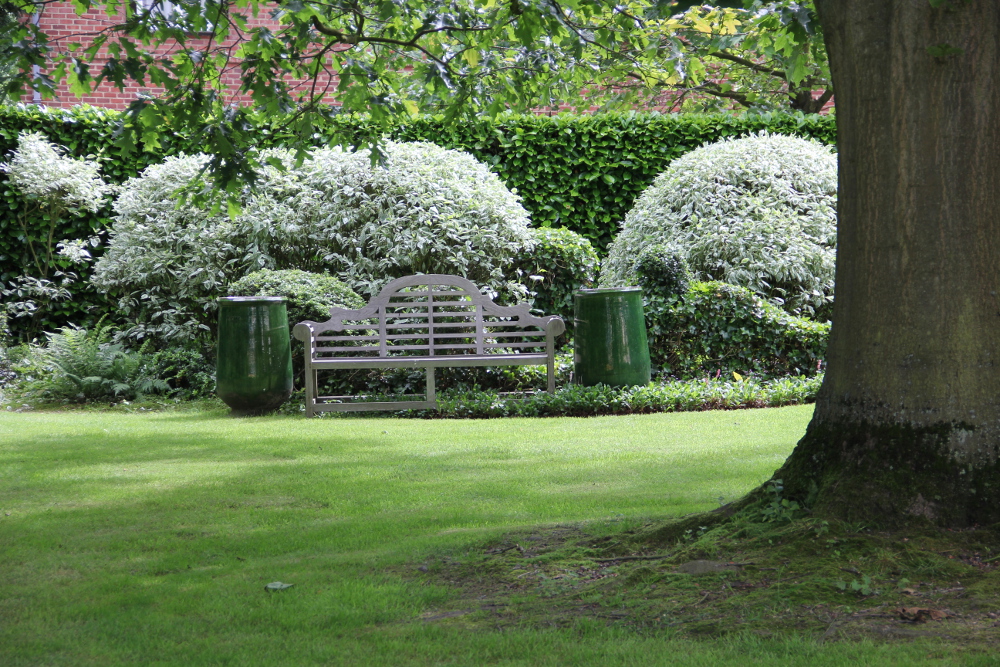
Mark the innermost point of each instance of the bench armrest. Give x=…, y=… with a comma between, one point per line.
x=303, y=331
x=554, y=325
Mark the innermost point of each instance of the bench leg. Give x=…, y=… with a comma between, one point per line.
x=431, y=395
x=550, y=368
x=310, y=391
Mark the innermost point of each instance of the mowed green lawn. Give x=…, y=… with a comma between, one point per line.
x=147, y=539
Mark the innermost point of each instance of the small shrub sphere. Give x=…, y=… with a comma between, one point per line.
x=560, y=263
x=759, y=212
x=308, y=296
x=663, y=271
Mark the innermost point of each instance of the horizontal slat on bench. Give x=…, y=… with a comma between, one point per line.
x=411, y=319
x=423, y=293
x=443, y=326
x=347, y=327
x=438, y=334
x=526, y=334
x=441, y=361
x=323, y=339
x=426, y=347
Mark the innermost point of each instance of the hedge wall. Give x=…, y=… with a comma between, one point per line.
x=584, y=172
x=581, y=172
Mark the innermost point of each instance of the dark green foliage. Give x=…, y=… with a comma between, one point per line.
x=308, y=296
x=561, y=263
x=580, y=172
x=188, y=371
x=720, y=328
x=663, y=271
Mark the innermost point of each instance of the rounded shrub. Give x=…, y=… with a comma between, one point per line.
x=716, y=329
x=308, y=296
x=559, y=263
x=167, y=261
x=424, y=209
x=758, y=212
x=663, y=271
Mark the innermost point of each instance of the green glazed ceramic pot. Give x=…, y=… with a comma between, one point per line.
x=610, y=343
x=254, y=369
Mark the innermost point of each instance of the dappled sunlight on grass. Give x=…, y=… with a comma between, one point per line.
x=123, y=536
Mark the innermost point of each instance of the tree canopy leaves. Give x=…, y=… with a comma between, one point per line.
x=393, y=58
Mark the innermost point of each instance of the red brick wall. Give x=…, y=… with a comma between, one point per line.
x=62, y=25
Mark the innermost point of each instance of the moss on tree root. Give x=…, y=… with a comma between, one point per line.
x=891, y=476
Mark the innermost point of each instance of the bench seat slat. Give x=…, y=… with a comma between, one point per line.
x=442, y=361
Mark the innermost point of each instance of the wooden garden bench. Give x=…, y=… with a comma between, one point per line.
x=426, y=321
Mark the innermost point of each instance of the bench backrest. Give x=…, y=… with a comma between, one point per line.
x=430, y=315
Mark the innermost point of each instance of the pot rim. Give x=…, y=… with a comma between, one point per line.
x=608, y=290
x=230, y=300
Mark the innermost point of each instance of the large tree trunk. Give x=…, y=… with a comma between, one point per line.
x=907, y=424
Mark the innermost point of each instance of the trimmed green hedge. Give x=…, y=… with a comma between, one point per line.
x=580, y=172
x=716, y=329
x=578, y=401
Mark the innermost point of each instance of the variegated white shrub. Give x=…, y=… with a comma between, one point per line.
x=758, y=212
x=52, y=186
x=169, y=261
x=424, y=210
x=42, y=172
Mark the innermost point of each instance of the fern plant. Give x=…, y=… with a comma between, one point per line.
x=86, y=365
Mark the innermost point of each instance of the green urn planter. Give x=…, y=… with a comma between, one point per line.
x=610, y=344
x=254, y=368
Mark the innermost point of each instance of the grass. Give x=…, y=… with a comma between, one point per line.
x=148, y=538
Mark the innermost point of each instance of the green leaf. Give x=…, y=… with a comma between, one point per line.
x=277, y=586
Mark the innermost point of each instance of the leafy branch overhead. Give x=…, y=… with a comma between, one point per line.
x=398, y=58
x=754, y=54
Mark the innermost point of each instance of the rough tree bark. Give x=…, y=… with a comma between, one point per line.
x=907, y=423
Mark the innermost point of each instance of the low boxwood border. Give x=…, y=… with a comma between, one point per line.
x=578, y=401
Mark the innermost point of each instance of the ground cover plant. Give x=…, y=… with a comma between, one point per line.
x=135, y=538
